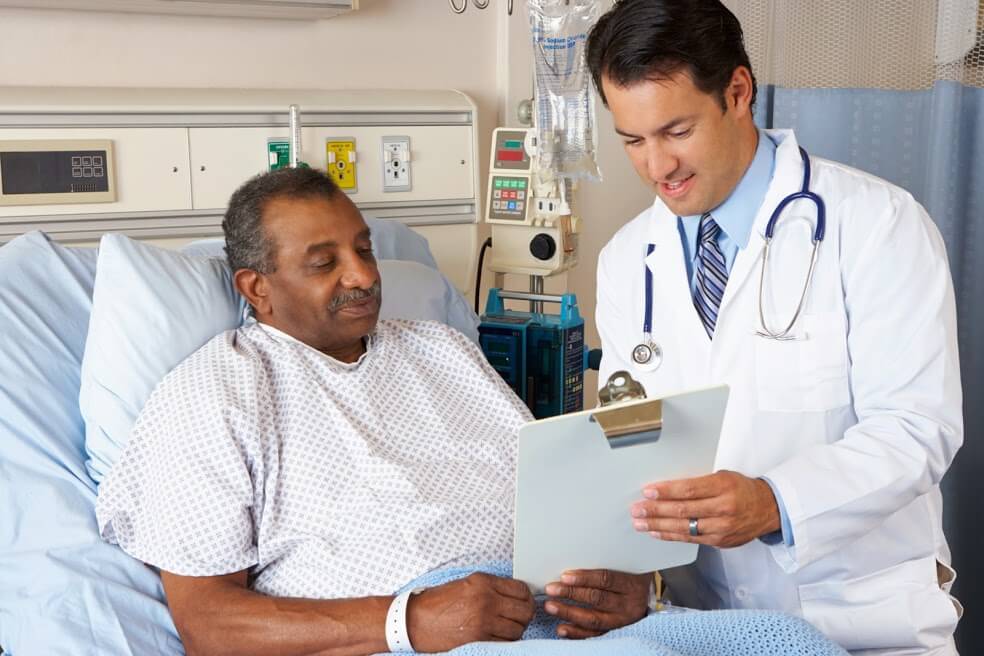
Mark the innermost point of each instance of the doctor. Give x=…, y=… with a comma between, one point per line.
x=841, y=356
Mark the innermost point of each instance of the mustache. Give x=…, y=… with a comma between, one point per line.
x=344, y=299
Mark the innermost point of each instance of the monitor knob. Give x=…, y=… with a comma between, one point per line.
x=543, y=246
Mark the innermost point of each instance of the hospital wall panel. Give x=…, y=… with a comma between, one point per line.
x=441, y=162
x=385, y=44
x=200, y=145
x=156, y=176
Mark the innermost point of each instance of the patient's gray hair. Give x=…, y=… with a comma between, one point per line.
x=248, y=245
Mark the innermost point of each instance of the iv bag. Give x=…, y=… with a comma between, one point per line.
x=564, y=96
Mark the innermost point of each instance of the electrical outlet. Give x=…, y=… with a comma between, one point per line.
x=340, y=157
x=396, y=164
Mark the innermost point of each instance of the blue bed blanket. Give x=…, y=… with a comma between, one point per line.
x=676, y=632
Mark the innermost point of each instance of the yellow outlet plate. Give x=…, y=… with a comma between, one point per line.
x=342, y=167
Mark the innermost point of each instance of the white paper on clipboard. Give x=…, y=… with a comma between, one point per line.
x=575, y=486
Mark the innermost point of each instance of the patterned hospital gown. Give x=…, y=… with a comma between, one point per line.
x=323, y=479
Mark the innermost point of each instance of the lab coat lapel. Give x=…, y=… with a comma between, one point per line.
x=673, y=303
x=787, y=179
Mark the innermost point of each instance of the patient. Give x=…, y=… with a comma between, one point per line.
x=291, y=475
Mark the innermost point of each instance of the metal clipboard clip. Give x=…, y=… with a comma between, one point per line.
x=624, y=423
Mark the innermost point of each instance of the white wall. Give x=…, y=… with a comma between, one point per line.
x=385, y=44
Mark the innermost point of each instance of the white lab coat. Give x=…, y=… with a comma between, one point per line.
x=855, y=424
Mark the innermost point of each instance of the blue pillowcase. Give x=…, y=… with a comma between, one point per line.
x=151, y=308
x=414, y=291
x=62, y=589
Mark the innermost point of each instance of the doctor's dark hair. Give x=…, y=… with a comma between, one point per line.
x=638, y=40
x=248, y=245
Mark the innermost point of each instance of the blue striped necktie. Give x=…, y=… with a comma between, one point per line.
x=711, y=273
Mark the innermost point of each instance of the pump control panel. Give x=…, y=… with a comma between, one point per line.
x=509, y=180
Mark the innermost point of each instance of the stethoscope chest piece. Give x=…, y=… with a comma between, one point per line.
x=647, y=356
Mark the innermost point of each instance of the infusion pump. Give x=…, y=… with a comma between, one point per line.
x=533, y=230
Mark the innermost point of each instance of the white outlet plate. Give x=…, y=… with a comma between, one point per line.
x=396, y=163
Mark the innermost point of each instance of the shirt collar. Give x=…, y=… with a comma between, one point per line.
x=736, y=214
x=281, y=336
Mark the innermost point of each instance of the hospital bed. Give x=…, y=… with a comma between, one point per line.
x=86, y=335
x=62, y=589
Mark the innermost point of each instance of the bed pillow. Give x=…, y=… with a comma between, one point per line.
x=412, y=290
x=153, y=307
x=62, y=589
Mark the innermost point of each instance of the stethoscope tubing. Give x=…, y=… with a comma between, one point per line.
x=647, y=324
x=804, y=194
x=784, y=334
x=818, y=235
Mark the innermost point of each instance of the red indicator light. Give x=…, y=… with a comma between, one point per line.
x=510, y=155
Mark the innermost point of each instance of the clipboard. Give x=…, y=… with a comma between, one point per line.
x=578, y=475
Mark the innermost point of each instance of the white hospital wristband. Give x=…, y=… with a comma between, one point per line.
x=397, y=637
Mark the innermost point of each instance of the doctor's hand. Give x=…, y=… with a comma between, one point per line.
x=730, y=509
x=613, y=600
x=477, y=607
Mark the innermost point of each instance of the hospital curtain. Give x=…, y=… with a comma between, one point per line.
x=897, y=89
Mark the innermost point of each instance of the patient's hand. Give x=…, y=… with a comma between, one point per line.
x=479, y=607
x=615, y=599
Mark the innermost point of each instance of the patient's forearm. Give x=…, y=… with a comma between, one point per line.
x=219, y=615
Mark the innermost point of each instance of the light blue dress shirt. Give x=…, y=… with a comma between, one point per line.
x=736, y=214
x=735, y=217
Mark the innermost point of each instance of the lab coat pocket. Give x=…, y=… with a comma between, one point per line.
x=899, y=607
x=806, y=374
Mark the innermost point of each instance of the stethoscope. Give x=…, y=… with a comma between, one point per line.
x=648, y=355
